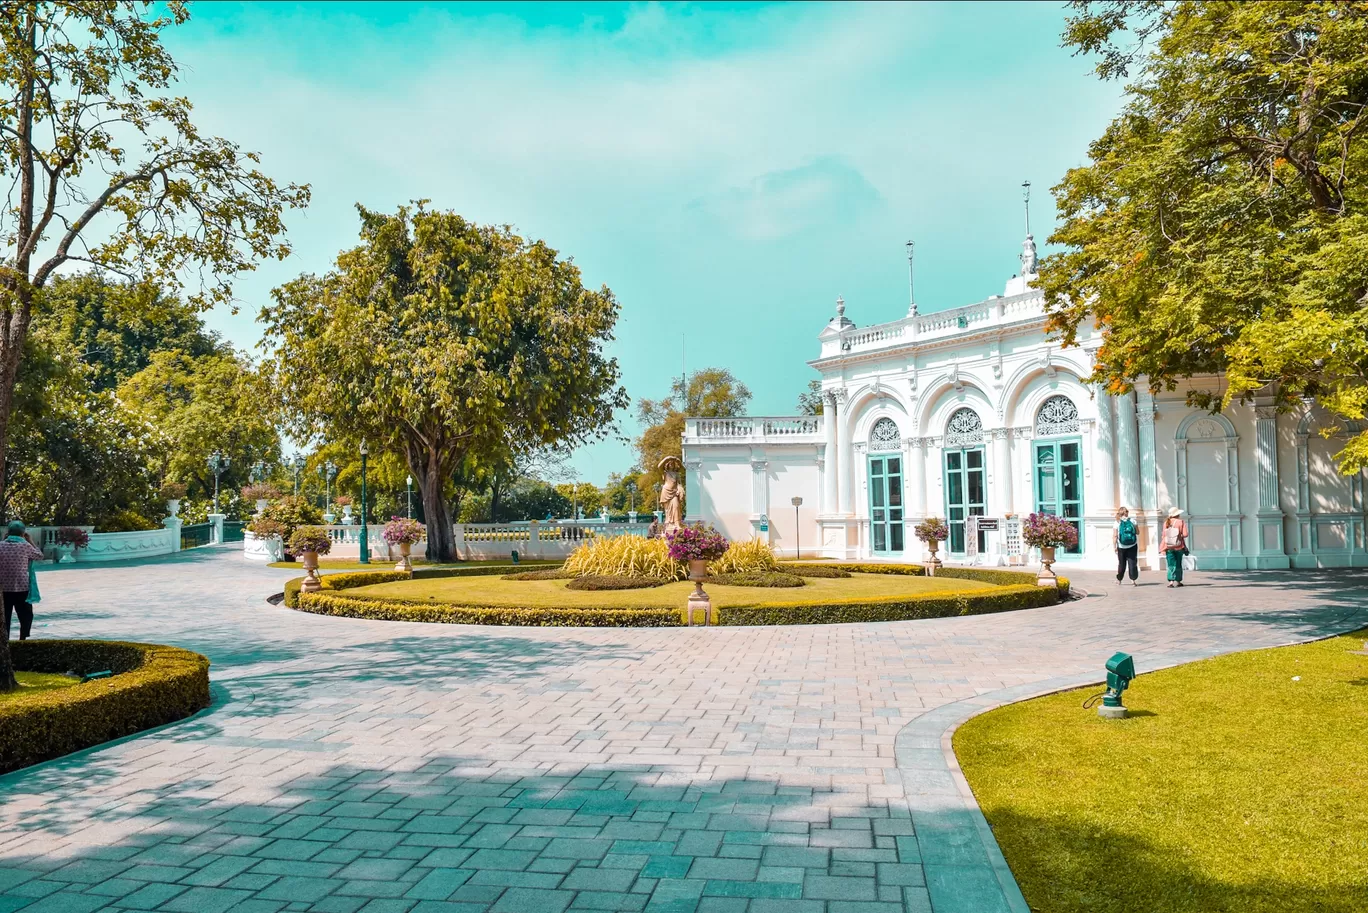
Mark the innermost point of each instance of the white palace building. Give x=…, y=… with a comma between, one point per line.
x=972, y=415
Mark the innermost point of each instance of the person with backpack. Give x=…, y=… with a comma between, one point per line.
x=1126, y=541
x=1174, y=545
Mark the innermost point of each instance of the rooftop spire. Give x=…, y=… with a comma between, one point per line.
x=911, y=289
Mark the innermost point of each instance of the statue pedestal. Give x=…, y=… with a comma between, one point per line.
x=700, y=610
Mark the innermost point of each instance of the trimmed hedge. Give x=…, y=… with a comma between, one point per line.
x=812, y=570
x=613, y=582
x=366, y=578
x=758, y=578
x=323, y=603
x=931, y=605
x=554, y=573
x=152, y=685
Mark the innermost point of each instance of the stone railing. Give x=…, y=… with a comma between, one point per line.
x=124, y=546
x=796, y=429
x=995, y=311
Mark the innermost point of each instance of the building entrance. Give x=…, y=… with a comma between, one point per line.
x=965, y=495
x=886, y=504
x=1059, y=488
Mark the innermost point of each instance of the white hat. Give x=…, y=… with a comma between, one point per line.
x=1175, y=512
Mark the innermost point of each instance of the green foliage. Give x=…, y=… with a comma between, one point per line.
x=758, y=578
x=309, y=539
x=152, y=685
x=810, y=400
x=446, y=342
x=1221, y=223
x=549, y=573
x=594, y=582
x=709, y=393
x=290, y=513
x=582, y=496
x=625, y=556
x=744, y=556
x=935, y=605
x=324, y=603
x=811, y=570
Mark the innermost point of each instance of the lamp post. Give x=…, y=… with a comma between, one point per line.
x=365, y=541
x=218, y=464
x=631, y=496
x=409, y=483
x=797, y=502
x=297, y=466
x=657, y=502
x=258, y=471
x=329, y=472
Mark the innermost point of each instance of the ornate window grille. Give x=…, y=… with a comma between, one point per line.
x=884, y=436
x=1057, y=415
x=965, y=429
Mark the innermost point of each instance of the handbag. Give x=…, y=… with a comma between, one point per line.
x=1189, y=562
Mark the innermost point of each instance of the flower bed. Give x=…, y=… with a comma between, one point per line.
x=152, y=685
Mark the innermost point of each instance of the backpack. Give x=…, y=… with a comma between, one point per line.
x=1125, y=533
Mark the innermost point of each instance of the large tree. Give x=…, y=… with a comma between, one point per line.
x=709, y=393
x=448, y=342
x=1221, y=223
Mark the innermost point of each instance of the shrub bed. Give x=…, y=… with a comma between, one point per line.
x=366, y=578
x=813, y=570
x=324, y=603
x=933, y=605
x=152, y=685
x=759, y=578
x=550, y=573
x=613, y=582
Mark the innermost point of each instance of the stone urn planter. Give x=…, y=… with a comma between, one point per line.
x=700, y=605
x=66, y=554
x=311, y=582
x=261, y=505
x=934, y=561
x=173, y=507
x=329, y=517
x=1047, y=576
x=347, y=515
x=404, y=564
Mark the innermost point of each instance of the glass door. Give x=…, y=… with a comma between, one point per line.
x=886, y=504
x=965, y=495
x=1059, y=484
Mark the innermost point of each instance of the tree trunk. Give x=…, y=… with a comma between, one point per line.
x=431, y=479
x=494, y=501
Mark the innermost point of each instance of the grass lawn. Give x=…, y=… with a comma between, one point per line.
x=34, y=682
x=383, y=564
x=1242, y=786
x=494, y=591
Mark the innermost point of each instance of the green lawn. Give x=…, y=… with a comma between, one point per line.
x=382, y=564
x=34, y=682
x=495, y=591
x=1241, y=786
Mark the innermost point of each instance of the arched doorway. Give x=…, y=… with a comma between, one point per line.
x=886, y=509
x=966, y=485
x=1058, y=450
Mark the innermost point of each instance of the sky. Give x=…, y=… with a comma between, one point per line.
x=727, y=169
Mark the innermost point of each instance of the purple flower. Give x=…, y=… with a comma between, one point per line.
x=696, y=543
x=1048, y=531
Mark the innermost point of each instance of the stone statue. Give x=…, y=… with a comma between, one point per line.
x=672, y=493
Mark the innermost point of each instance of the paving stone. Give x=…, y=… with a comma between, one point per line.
x=531, y=900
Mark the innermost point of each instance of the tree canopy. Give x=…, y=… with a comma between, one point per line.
x=1220, y=225
x=709, y=393
x=447, y=342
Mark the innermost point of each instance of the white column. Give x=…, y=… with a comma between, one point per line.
x=759, y=489
x=1128, y=451
x=829, y=472
x=1104, y=458
x=916, y=479
x=845, y=456
x=1000, y=488
x=1270, y=549
x=693, y=482
x=1149, y=480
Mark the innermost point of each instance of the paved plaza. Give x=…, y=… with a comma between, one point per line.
x=353, y=765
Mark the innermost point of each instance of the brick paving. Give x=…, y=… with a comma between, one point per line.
x=368, y=766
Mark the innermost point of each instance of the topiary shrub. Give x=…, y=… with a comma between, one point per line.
x=744, y=557
x=550, y=573
x=758, y=578
x=326, y=603
x=594, y=582
x=310, y=539
x=813, y=570
x=152, y=685
x=904, y=608
x=290, y=512
x=625, y=556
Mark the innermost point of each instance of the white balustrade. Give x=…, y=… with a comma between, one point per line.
x=788, y=429
x=940, y=324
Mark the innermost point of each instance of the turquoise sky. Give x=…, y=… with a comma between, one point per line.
x=727, y=169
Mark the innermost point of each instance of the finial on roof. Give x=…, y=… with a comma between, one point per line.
x=1028, y=247
x=911, y=289
x=840, y=306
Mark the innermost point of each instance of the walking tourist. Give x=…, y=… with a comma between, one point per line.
x=1126, y=541
x=1174, y=546
x=17, y=579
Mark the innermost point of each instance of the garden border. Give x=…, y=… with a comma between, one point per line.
x=1010, y=592
x=153, y=685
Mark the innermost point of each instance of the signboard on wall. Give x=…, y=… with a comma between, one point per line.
x=988, y=524
x=971, y=528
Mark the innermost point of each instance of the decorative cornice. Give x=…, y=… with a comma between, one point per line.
x=1145, y=417
x=759, y=465
x=999, y=434
x=1266, y=413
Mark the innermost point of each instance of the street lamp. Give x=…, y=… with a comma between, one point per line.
x=218, y=465
x=297, y=466
x=409, y=483
x=365, y=541
x=631, y=494
x=657, y=502
x=329, y=472
x=258, y=471
x=797, y=502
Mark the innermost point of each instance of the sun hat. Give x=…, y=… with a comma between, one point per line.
x=15, y=528
x=1175, y=512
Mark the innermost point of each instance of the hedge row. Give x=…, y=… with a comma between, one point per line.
x=324, y=603
x=996, y=576
x=152, y=685
x=367, y=578
x=931, y=605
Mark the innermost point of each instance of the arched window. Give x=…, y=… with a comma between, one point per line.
x=965, y=429
x=884, y=436
x=1057, y=415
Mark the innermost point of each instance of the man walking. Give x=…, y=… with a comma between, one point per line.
x=17, y=555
